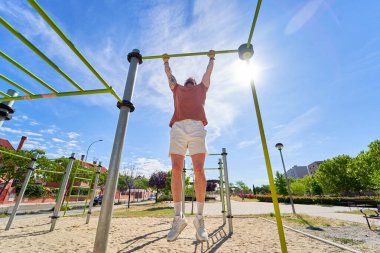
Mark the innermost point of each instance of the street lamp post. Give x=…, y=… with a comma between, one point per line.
x=85, y=159
x=279, y=146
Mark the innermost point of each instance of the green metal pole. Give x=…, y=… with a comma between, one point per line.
x=5, y=95
x=269, y=170
x=38, y=52
x=55, y=27
x=15, y=84
x=19, y=156
x=54, y=95
x=254, y=22
x=188, y=54
x=26, y=71
x=221, y=187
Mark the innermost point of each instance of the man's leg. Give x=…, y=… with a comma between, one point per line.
x=200, y=191
x=179, y=221
x=176, y=184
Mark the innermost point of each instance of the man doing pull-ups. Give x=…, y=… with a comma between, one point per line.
x=188, y=133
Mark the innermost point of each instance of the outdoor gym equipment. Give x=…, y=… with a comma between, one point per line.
x=224, y=188
x=125, y=105
x=61, y=191
x=90, y=177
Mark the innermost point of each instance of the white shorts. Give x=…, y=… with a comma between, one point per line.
x=188, y=134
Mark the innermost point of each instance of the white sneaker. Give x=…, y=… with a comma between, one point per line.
x=179, y=223
x=201, y=232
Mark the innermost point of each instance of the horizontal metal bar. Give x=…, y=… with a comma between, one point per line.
x=26, y=71
x=86, y=170
x=15, y=84
x=189, y=54
x=81, y=187
x=19, y=156
x=38, y=52
x=77, y=196
x=54, y=95
x=84, y=179
x=207, y=154
x=50, y=171
x=5, y=95
x=55, y=27
x=254, y=23
x=192, y=169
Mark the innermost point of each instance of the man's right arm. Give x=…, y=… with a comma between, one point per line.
x=168, y=71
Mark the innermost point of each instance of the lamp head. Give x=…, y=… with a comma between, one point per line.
x=279, y=146
x=245, y=53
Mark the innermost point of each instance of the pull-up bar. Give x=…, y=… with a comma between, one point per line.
x=254, y=22
x=188, y=54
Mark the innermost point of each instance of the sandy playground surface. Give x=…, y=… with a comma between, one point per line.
x=149, y=235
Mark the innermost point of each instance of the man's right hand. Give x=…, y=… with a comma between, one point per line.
x=165, y=58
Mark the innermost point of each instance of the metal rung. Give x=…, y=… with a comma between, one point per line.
x=86, y=170
x=82, y=187
x=77, y=196
x=50, y=171
x=82, y=178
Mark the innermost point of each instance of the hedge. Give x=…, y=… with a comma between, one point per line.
x=316, y=200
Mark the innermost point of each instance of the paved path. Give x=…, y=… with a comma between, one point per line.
x=245, y=208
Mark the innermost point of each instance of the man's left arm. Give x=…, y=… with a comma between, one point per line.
x=207, y=76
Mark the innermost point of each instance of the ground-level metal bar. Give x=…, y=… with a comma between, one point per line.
x=93, y=192
x=188, y=54
x=254, y=22
x=56, y=95
x=38, y=52
x=227, y=186
x=22, y=191
x=269, y=170
x=183, y=187
x=55, y=27
x=10, y=94
x=62, y=191
x=221, y=189
x=15, y=84
x=26, y=71
x=104, y=224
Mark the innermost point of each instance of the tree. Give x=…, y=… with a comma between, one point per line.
x=297, y=188
x=315, y=187
x=242, y=187
x=264, y=189
x=158, y=180
x=280, y=183
x=334, y=177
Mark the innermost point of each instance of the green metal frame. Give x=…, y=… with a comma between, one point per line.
x=83, y=172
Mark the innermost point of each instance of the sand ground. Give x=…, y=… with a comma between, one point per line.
x=148, y=234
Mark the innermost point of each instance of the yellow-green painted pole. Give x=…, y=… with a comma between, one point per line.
x=70, y=44
x=269, y=170
x=15, y=84
x=54, y=95
x=254, y=22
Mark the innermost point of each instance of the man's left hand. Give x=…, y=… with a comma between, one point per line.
x=211, y=54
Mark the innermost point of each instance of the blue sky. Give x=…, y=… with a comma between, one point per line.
x=316, y=67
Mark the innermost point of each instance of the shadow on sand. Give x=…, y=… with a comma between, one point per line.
x=214, y=242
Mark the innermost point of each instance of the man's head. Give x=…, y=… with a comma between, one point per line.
x=190, y=82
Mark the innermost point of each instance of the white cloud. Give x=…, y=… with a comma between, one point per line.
x=10, y=130
x=303, y=16
x=147, y=166
x=28, y=133
x=57, y=140
x=246, y=143
x=72, y=135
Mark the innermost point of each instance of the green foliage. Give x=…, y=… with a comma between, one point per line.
x=242, y=187
x=280, y=183
x=33, y=191
x=334, y=177
x=298, y=188
x=141, y=182
x=315, y=187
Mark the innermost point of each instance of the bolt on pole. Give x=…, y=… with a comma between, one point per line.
x=11, y=93
x=104, y=224
x=227, y=186
x=93, y=191
x=22, y=191
x=62, y=192
x=288, y=184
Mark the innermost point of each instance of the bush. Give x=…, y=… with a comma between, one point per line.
x=33, y=190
